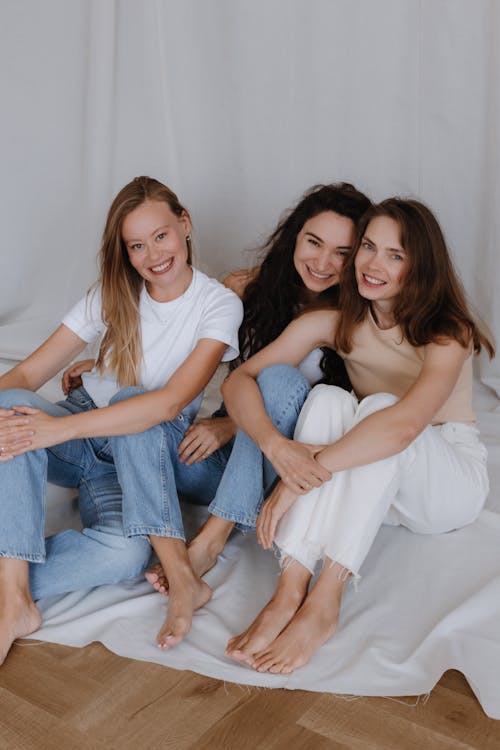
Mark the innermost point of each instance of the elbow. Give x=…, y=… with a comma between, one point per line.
x=228, y=385
x=405, y=433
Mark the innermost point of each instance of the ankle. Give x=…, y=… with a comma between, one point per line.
x=214, y=535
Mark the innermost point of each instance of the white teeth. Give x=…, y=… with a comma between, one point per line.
x=371, y=280
x=319, y=275
x=163, y=267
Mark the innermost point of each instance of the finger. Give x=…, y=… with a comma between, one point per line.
x=273, y=522
x=265, y=526
x=11, y=451
x=25, y=410
x=258, y=527
x=200, y=454
x=188, y=451
x=14, y=421
x=6, y=412
x=292, y=485
x=16, y=436
x=186, y=444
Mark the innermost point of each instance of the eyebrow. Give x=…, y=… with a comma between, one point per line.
x=138, y=239
x=340, y=247
x=399, y=250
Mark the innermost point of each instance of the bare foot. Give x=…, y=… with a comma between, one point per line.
x=202, y=552
x=314, y=623
x=292, y=588
x=19, y=616
x=157, y=578
x=184, y=598
x=202, y=560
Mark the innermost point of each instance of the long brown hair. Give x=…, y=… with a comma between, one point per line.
x=121, y=348
x=432, y=304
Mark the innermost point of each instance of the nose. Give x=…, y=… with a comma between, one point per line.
x=154, y=251
x=323, y=260
x=374, y=262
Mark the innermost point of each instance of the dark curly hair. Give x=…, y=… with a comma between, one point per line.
x=277, y=293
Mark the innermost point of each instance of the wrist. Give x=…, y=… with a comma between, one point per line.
x=271, y=442
x=68, y=427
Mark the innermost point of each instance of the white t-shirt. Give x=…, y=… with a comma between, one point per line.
x=169, y=330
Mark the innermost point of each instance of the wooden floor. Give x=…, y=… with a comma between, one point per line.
x=54, y=697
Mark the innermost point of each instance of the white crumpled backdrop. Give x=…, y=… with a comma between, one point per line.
x=240, y=106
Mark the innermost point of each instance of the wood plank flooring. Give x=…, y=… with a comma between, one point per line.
x=54, y=697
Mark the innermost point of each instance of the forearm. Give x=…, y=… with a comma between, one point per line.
x=136, y=414
x=378, y=436
x=15, y=378
x=245, y=405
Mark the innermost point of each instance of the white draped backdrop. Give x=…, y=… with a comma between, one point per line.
x=239, y=105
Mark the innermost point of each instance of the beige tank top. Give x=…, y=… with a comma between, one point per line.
x=385, y=362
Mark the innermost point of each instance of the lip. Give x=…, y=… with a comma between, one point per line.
x=161, y=268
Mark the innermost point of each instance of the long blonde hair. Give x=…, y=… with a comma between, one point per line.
x=121, y=348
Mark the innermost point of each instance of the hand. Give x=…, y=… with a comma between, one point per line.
x=71, y=377
x=29, y=429
x=14, y=433
x=279, y=501
x=296, y=465
x=205, y=437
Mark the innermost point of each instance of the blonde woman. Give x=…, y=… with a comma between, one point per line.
x=165, y=326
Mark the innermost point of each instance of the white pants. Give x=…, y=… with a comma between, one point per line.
x=438, y=483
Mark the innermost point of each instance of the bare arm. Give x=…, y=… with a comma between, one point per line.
x=135, y=414
x=391, y=430
x=293, y=461
x=56, y=352
x=382, y=434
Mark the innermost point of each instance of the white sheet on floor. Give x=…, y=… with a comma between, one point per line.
x=425, y=604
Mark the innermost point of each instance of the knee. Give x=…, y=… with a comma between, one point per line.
x=16, y=397
x=127, y=392
x=282, y=384
x=376, y=402
x=327, y=397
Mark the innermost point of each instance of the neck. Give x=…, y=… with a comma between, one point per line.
x=167, y=295
x=383, y=315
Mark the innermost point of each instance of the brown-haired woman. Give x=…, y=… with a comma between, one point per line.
x=165, y=326
x=406, y=451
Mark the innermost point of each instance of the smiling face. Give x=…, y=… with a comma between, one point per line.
x=155, y=239
x=320, y=249
x=381, y=263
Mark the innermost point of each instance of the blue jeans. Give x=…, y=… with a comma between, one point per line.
x=153, y=478
x=71, y=559
x=249, y=476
